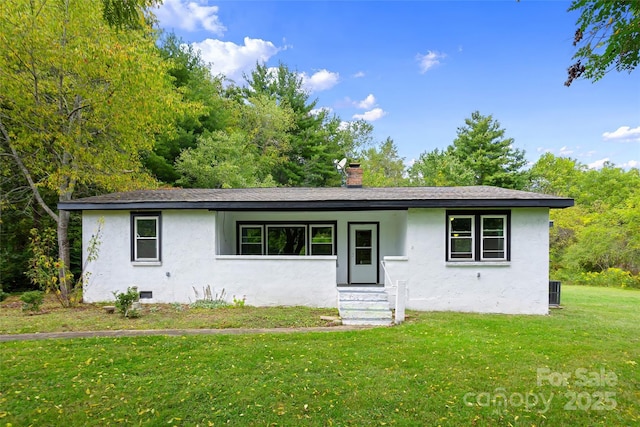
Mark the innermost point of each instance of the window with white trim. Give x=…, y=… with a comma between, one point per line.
x=478, y=236
x=321, y=239
x=295, y=238
x=145, y=239
x=251, y=240
x=494, y=238
x=461, y=234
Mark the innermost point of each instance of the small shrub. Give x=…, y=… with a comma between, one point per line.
x=3, y=295
x=611, y=277
x=124, y=302
x=177, y=306
x=209, y=300
x=32, y=300
x=133, y=313
x=239, y=303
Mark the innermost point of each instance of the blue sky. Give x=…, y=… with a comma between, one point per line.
x=417, y=69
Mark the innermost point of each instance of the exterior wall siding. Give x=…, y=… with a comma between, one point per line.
x=192, y=257
x=518, y=286
x=413, y=244
x=187, y=256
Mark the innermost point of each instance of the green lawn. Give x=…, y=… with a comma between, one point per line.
x=449, y=369
x=92, y=317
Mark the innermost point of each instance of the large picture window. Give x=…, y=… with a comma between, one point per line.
x=478, y=236
x=145, y=239
x=286, y=239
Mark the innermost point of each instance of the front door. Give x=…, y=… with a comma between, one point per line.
x=363, y=253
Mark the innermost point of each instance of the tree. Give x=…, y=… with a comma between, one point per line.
x=382, y=166
x=555, y=175
x=607, y=37
x=244, y=156
x=598, y=240
x=127, y=14
x=482, y=148
x=193, y=79
x=79, y=101
x=439, y=168
x=312, y=149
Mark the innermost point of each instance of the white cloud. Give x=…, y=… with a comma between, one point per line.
x=371, y=116
x=623, y=134
x=367, y=103
x=319, y=81
x=190, y=16
x=429, y=60
x=233, y=60
x=344, y=125
x=317, y=111
x=630, y=164
x=598, y=163
x=564, y=151
x=359, y=74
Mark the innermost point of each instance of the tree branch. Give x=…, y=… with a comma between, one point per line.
x=26, y=174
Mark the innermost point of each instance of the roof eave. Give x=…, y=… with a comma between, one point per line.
x=317, y=205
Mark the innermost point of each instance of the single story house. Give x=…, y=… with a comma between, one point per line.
x=473, y=249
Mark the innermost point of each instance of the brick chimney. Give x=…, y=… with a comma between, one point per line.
x=354, y=175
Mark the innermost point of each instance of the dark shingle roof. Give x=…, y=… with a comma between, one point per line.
x=327, y=198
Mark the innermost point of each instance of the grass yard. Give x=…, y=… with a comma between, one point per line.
x=576, y=367
x=92, y=317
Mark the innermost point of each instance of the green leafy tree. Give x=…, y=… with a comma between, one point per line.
x=440, y=168
x=607, y=38
x=609, y=239
x=555, y=175
x=79, y=102
x=607, y=187
x=382, y=166
x=598, y=240
x=214, y=112
x=127, y=14
x=481, y=146
x=311, y=147
x=241, y=157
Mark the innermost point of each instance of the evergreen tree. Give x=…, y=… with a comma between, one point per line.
x=481, y=147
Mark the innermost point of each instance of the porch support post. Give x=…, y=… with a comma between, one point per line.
x=401, y=296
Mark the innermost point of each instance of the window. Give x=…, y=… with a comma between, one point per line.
x=286, y=239
x=321, y=240
x=461, y=232
x=250, y=240
x=364, y=247
x=145, y=240
x=494, y=234
x=481, y=236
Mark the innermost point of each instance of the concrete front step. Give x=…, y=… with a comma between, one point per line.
x=362, y=294
x=364, y=306
x=368, y=322
x=365, y=314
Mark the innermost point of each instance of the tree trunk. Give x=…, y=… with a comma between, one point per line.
x=64, y=256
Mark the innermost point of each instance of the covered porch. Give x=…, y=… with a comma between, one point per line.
x=302, y=246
